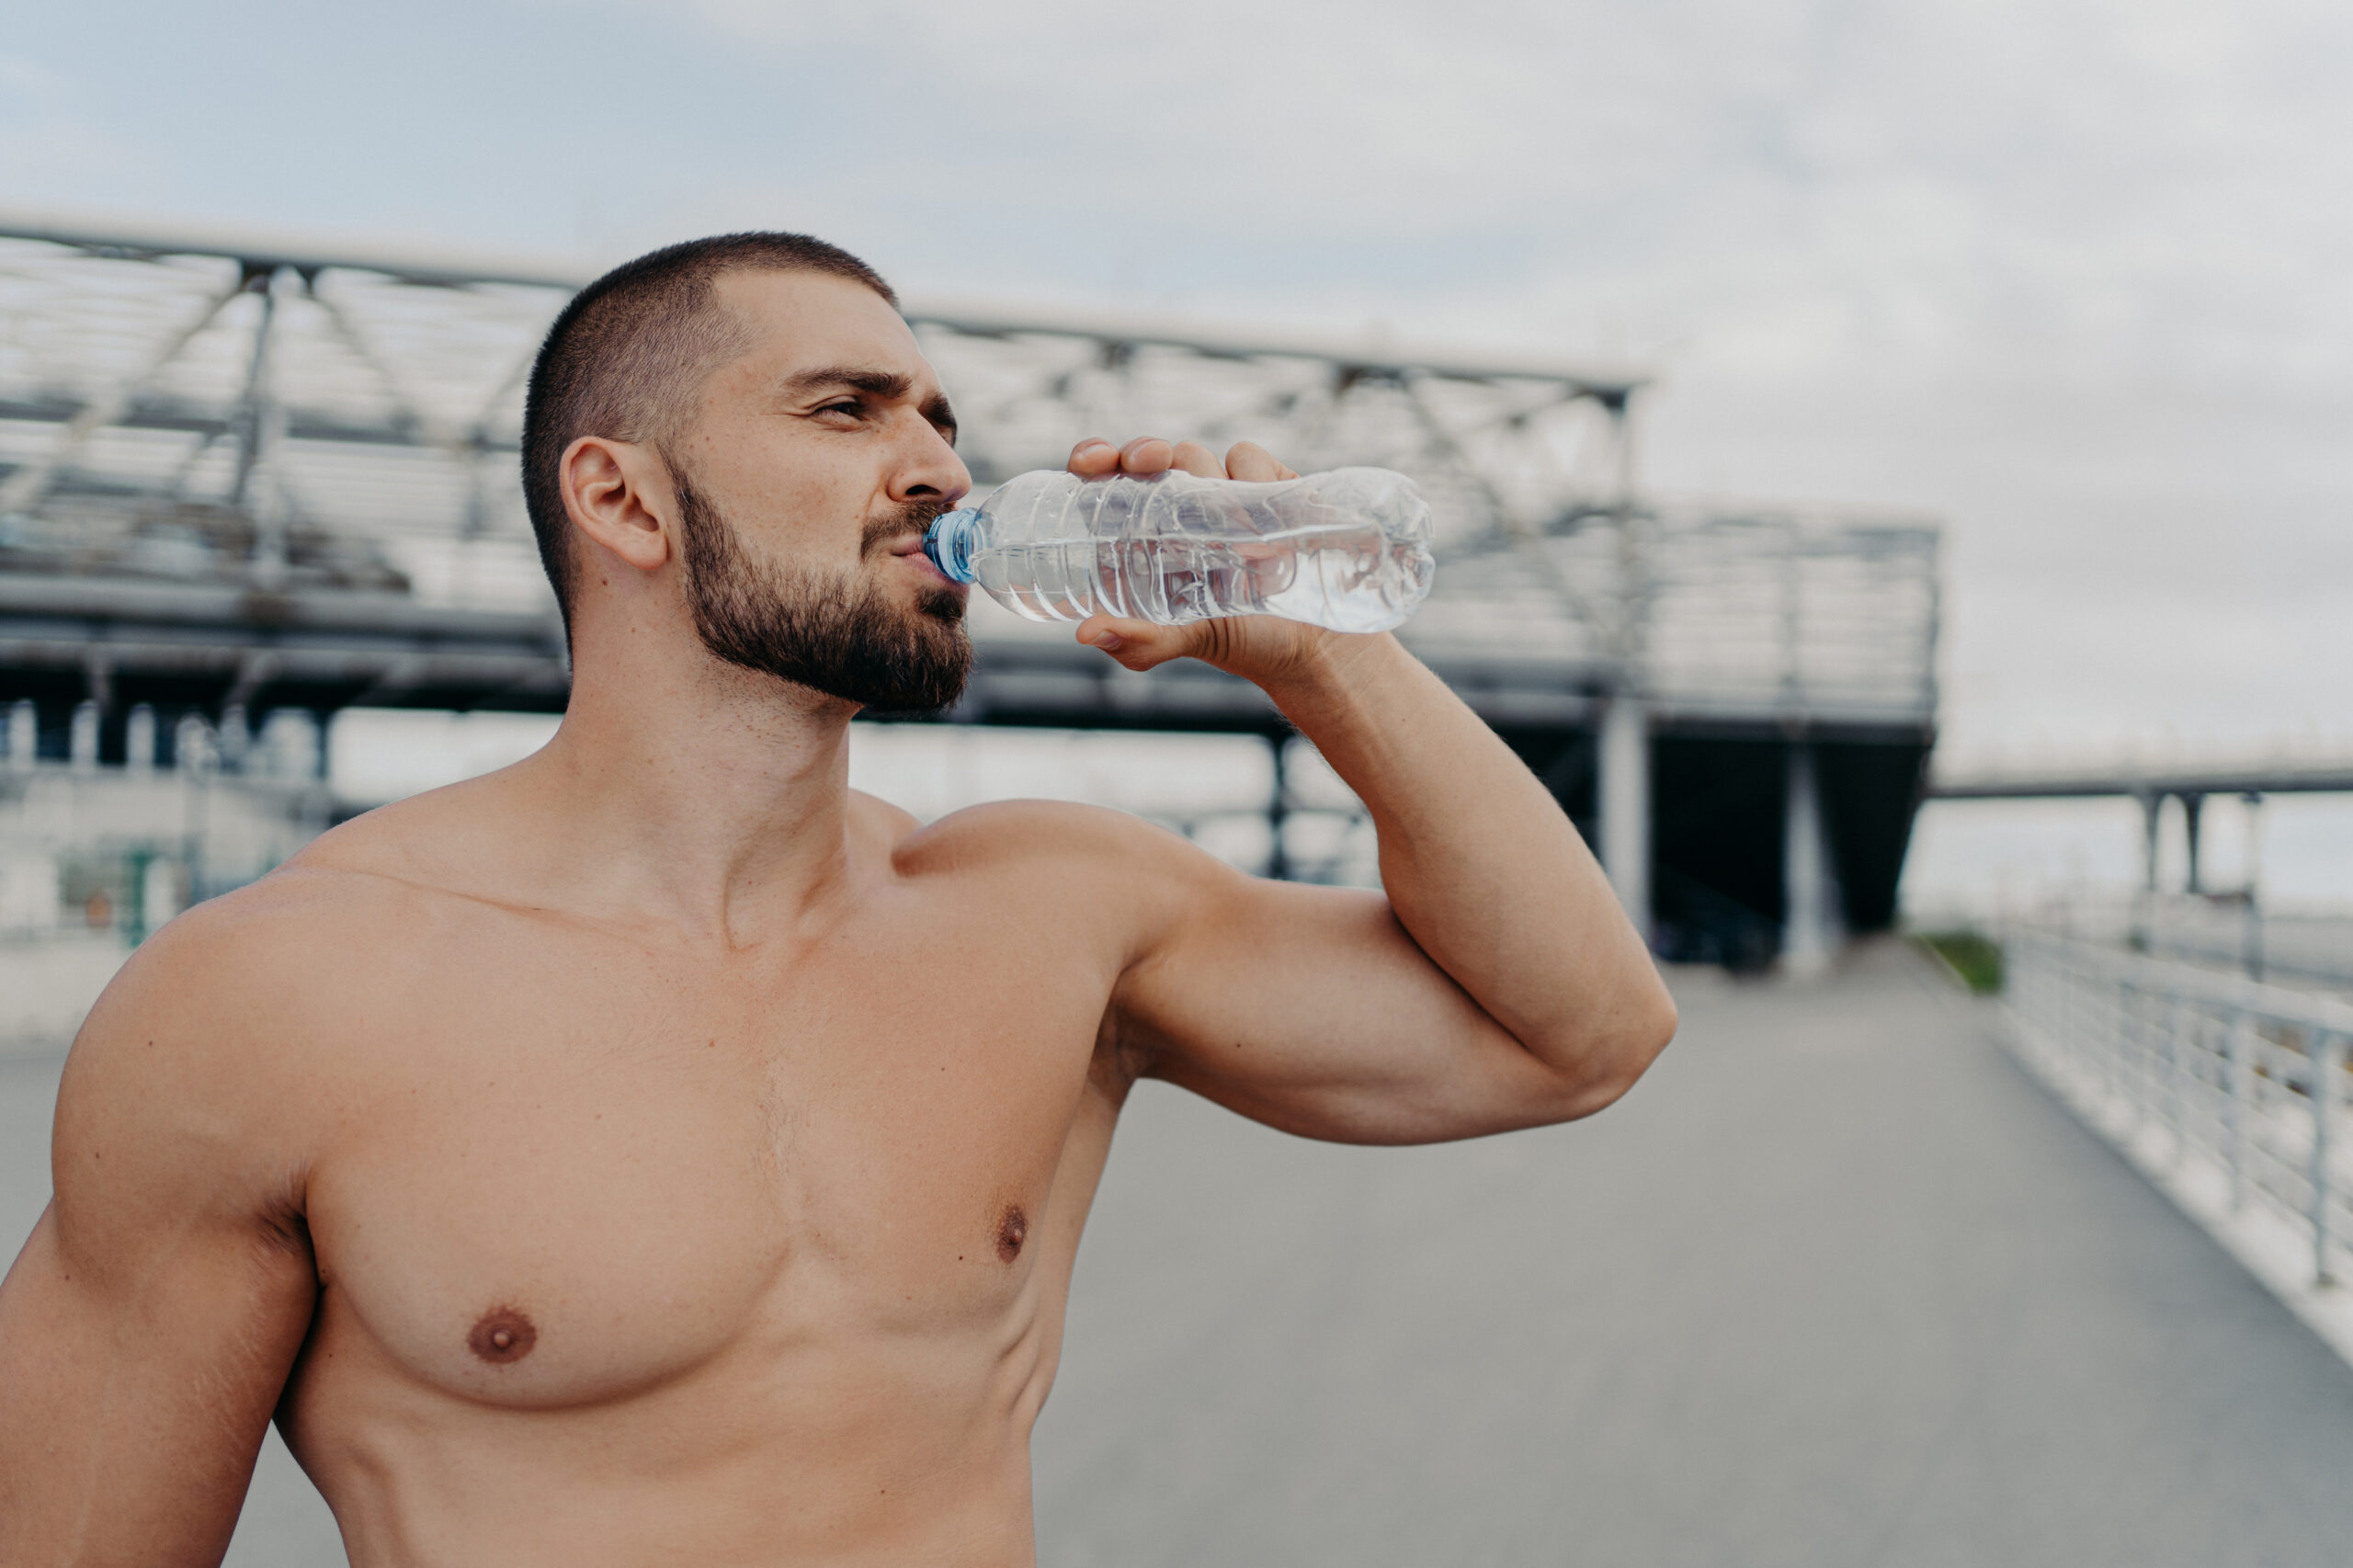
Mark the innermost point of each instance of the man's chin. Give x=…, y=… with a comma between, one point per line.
x=943, y=605
x=872, y=639
x=927, y=671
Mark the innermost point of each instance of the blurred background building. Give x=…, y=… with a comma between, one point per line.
x=249, y=492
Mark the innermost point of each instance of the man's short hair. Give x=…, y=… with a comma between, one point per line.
x=628, y=356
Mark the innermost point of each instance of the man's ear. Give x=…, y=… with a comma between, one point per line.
x=618, y=493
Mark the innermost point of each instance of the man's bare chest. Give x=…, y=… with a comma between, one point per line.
x=568, y=1173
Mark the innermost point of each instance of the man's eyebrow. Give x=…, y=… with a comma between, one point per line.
x=943, y=418
x=874, y=384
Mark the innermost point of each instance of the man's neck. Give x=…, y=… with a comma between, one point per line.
x=694, y=792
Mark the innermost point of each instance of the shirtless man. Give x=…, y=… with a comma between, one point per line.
x=657, y=1152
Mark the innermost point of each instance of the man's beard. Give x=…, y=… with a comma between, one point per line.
x=841, y=634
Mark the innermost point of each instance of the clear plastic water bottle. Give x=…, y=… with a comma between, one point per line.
x=1348, y=549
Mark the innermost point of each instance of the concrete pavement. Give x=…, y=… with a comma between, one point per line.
x=1835, y=1285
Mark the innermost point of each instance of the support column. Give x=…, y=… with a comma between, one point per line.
x=139, y=739
x=1625, y=805
x=1278, y=813
x=1811, y=927
x=235, y=738
x=24, y=735
x=2251, y=926
x=2192, y=808
x=83, y=739
x=192, y=744
x=2152, y=808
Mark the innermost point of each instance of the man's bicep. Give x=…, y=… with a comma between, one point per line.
x=1313, y=1010
x=147, y=1327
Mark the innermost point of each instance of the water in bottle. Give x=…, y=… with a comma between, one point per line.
x=1348, y=549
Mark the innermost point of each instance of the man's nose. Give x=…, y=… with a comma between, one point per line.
x=929, y=470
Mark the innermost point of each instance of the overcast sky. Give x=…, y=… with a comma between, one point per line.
x=2072, y=273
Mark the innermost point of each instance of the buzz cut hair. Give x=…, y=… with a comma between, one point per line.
x=631, y=353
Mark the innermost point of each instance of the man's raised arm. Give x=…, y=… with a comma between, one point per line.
x=148, y=1326
x=1499, y=985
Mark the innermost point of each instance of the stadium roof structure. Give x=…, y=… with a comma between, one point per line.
x=266, y=471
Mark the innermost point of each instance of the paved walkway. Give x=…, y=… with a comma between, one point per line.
x=1836, y=1285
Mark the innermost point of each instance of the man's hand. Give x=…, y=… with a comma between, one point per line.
x=1260, y=648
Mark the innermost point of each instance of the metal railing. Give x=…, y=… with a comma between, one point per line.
x=2248, y=1076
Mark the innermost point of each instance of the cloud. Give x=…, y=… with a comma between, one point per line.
x=2083, y=167
x=51, y=144
x=2069, y=270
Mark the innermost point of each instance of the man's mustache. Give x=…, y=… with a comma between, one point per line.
x=913, y=518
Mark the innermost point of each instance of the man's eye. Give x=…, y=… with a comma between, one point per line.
x=847, y=405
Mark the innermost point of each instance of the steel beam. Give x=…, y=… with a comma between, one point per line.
x=2287, y=776
x=26, y=486
x=1625, y=805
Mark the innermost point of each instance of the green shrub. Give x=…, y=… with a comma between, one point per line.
x=1973, y=955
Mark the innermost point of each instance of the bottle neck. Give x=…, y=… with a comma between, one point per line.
x=949, y=542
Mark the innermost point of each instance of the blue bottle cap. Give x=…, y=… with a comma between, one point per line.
x=948, y=543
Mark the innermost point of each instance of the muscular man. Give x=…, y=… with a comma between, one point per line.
x=657, y=1152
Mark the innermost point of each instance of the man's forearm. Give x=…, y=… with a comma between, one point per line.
x=1483, y=867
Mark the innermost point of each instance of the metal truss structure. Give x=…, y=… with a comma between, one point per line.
x=290, y=443
x=237, y=475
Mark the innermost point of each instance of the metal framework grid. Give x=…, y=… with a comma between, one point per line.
x=293, y=473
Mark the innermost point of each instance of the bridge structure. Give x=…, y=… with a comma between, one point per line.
x=241, y=476
x=2152, y=783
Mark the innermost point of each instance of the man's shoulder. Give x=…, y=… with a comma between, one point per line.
x=352, y=878
x=1063, y=854
x=273, y=959
x=234, y=966
x=420, y=843
x=252, y=1010
x=205, y=1055
x=1003, y=833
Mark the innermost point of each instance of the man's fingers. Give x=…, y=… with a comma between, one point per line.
x=1138, y=645
x=1145, y=456
x=1148, y=455
x=1194, y=458
x=1093, y=457
x=1248, y=459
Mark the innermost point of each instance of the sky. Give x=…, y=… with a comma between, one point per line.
x=2071, y=274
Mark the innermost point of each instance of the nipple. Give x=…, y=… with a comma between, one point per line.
x=504, y=1334
x=1011, y=1231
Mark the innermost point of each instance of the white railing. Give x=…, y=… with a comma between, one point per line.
x=2247, y=1078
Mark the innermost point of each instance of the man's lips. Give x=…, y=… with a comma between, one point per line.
x=911, y=545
